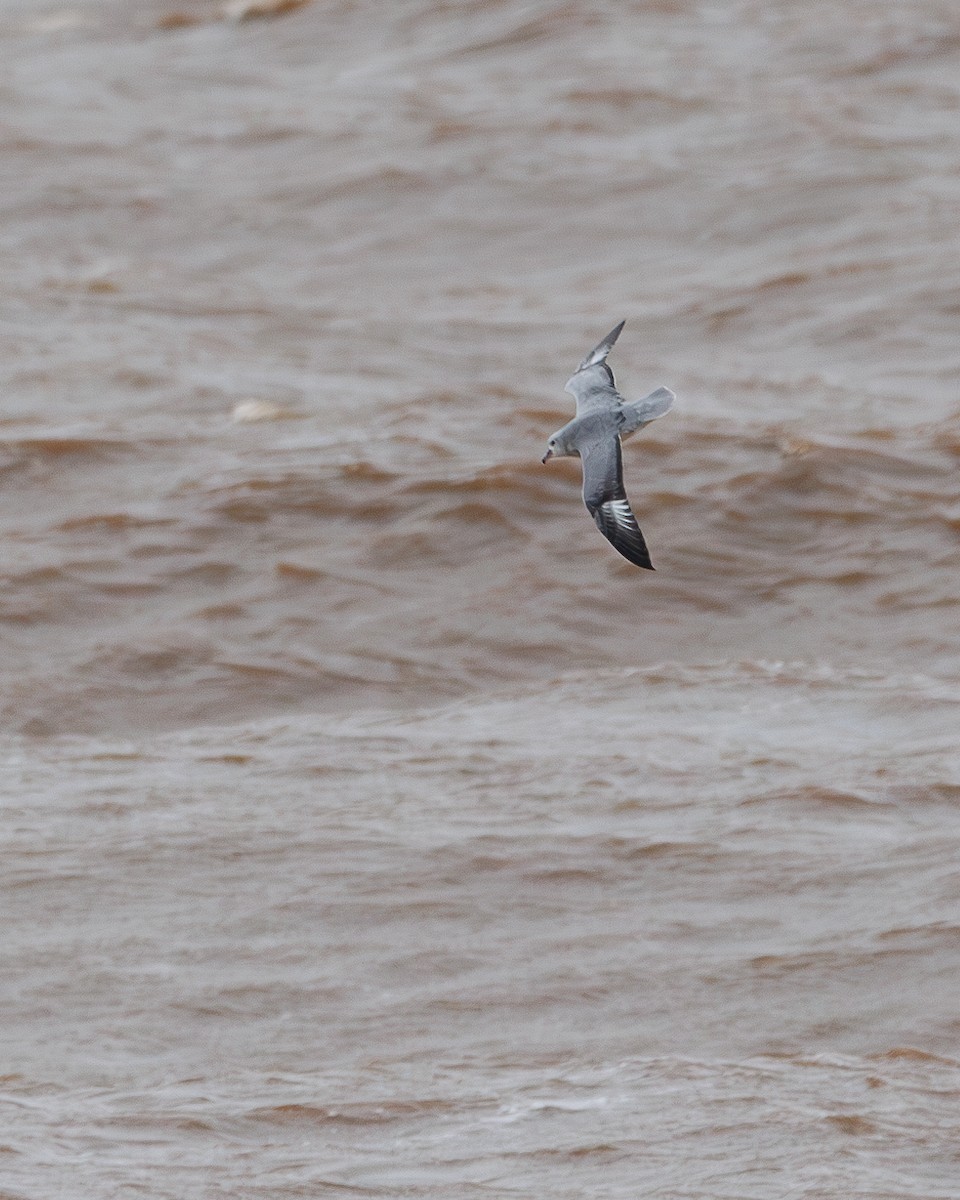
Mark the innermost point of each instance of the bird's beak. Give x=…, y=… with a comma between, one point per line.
x=547, y=456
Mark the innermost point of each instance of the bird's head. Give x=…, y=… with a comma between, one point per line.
x=556, y=448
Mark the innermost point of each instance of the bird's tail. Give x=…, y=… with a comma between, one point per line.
x=642, y=412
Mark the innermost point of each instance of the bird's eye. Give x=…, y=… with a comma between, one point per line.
x=553, y=442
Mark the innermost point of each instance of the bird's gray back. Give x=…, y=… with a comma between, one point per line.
x=597, y=427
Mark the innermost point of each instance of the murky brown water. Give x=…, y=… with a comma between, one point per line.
x=369, y=826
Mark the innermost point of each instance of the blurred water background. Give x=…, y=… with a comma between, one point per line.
x=369, y=826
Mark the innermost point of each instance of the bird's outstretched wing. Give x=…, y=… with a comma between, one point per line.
x=599, y=353
x=592, y=384
x=607, y=502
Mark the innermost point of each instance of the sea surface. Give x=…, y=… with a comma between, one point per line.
x=368, y=827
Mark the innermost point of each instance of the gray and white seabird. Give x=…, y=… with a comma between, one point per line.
x=603, y=420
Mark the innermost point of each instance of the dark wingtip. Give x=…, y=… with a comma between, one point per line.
x=599, y=353
x=632, y=555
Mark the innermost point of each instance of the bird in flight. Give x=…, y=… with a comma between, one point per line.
x=603, y=420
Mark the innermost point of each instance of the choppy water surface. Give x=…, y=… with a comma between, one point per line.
x=369, y=826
